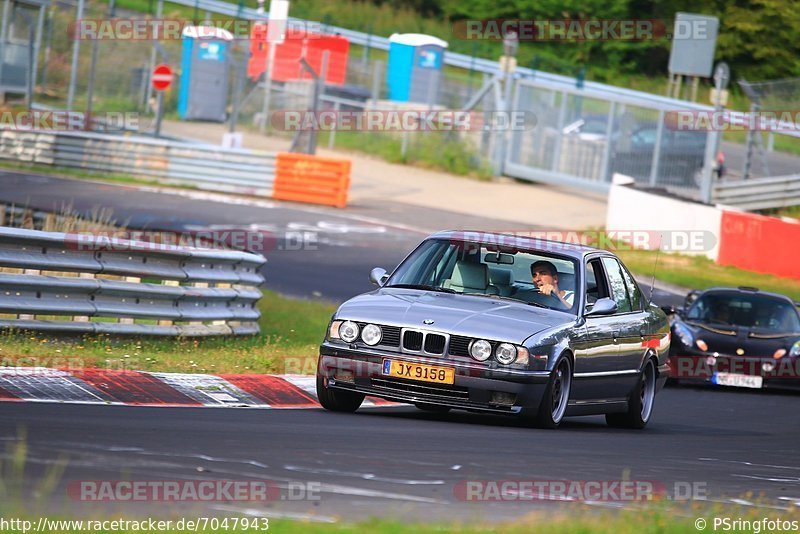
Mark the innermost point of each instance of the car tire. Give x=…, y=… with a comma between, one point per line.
x=336, y=400
x=640, y=403
x=556, y=396
x=434, y=408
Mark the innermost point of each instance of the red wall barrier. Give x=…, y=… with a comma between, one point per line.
x=759, y=243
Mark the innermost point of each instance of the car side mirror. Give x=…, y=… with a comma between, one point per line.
x=669, y=310
x=604, y=306
x=378, y=276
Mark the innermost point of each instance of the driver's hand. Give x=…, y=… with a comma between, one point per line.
x=546, y=289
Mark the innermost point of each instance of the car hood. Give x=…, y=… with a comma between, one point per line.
x=731, y=339
x=466, y=315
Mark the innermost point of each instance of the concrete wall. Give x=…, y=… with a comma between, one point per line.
x=728, y=236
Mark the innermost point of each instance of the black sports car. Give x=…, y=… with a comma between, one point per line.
x=738, y=337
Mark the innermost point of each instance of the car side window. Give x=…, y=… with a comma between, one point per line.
x=633, y=290
x=596, y=287
x=617, y=283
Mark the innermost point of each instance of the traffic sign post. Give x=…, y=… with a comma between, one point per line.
x=162, y=79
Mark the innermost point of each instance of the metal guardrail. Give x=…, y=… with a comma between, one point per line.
x=73, y=283
x=198, y=165
x=759, y=193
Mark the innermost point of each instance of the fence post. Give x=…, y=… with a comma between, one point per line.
x=706, y=186
x=76, y=50
x=6, y=7
x=332, y=133
x=562, y=116
x=657, y=148
x=606, y=162
x=149, y=73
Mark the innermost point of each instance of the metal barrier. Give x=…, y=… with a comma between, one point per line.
x=759, y=193
x=198, y=165
x=74, y=283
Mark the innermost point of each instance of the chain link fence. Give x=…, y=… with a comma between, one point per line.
x=583, y=134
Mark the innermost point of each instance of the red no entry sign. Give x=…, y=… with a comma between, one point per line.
x=162, y=77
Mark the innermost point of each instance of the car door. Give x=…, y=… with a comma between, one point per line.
x=596, y=354
x=629, y=324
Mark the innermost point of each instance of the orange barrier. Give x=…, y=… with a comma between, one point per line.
x=759, y=243
x=304, y=178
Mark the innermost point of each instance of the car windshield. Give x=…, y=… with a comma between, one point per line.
x=493, y=271
x=750, y=311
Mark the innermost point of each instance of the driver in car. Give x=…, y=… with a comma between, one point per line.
x=545, y=276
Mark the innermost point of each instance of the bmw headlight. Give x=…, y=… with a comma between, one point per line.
x=505, y=353
x=684, y=334
x=371, y=334
x=348, y=331
x=795, y=349
x=480, y=349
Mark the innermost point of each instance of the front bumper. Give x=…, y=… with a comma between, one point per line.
x=472, y=389
x=783, y=373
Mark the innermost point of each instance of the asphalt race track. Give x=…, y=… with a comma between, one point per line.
x=404, y=463
x=733, y=446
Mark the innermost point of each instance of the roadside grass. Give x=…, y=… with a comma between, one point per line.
x=291, y=331
x=432, y=150
x=791, y=212
x=67, y=172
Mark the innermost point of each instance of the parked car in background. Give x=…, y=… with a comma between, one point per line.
x=461, y=324
x=739, y=337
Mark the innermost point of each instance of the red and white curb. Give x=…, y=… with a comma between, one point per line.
x=139, y=388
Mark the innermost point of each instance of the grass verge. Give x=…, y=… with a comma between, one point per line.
x=66, y=172
x=291, y=331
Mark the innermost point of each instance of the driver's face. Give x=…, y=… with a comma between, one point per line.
x=542, y=276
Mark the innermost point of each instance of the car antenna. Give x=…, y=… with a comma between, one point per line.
x=655, y=265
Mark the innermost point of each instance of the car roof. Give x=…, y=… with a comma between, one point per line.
x=572, y=250
x=746, y=291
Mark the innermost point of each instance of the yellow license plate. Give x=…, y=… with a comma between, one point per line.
x=416, y=371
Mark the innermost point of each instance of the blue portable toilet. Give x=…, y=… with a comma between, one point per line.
x=203, y=93
x=415, y=67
